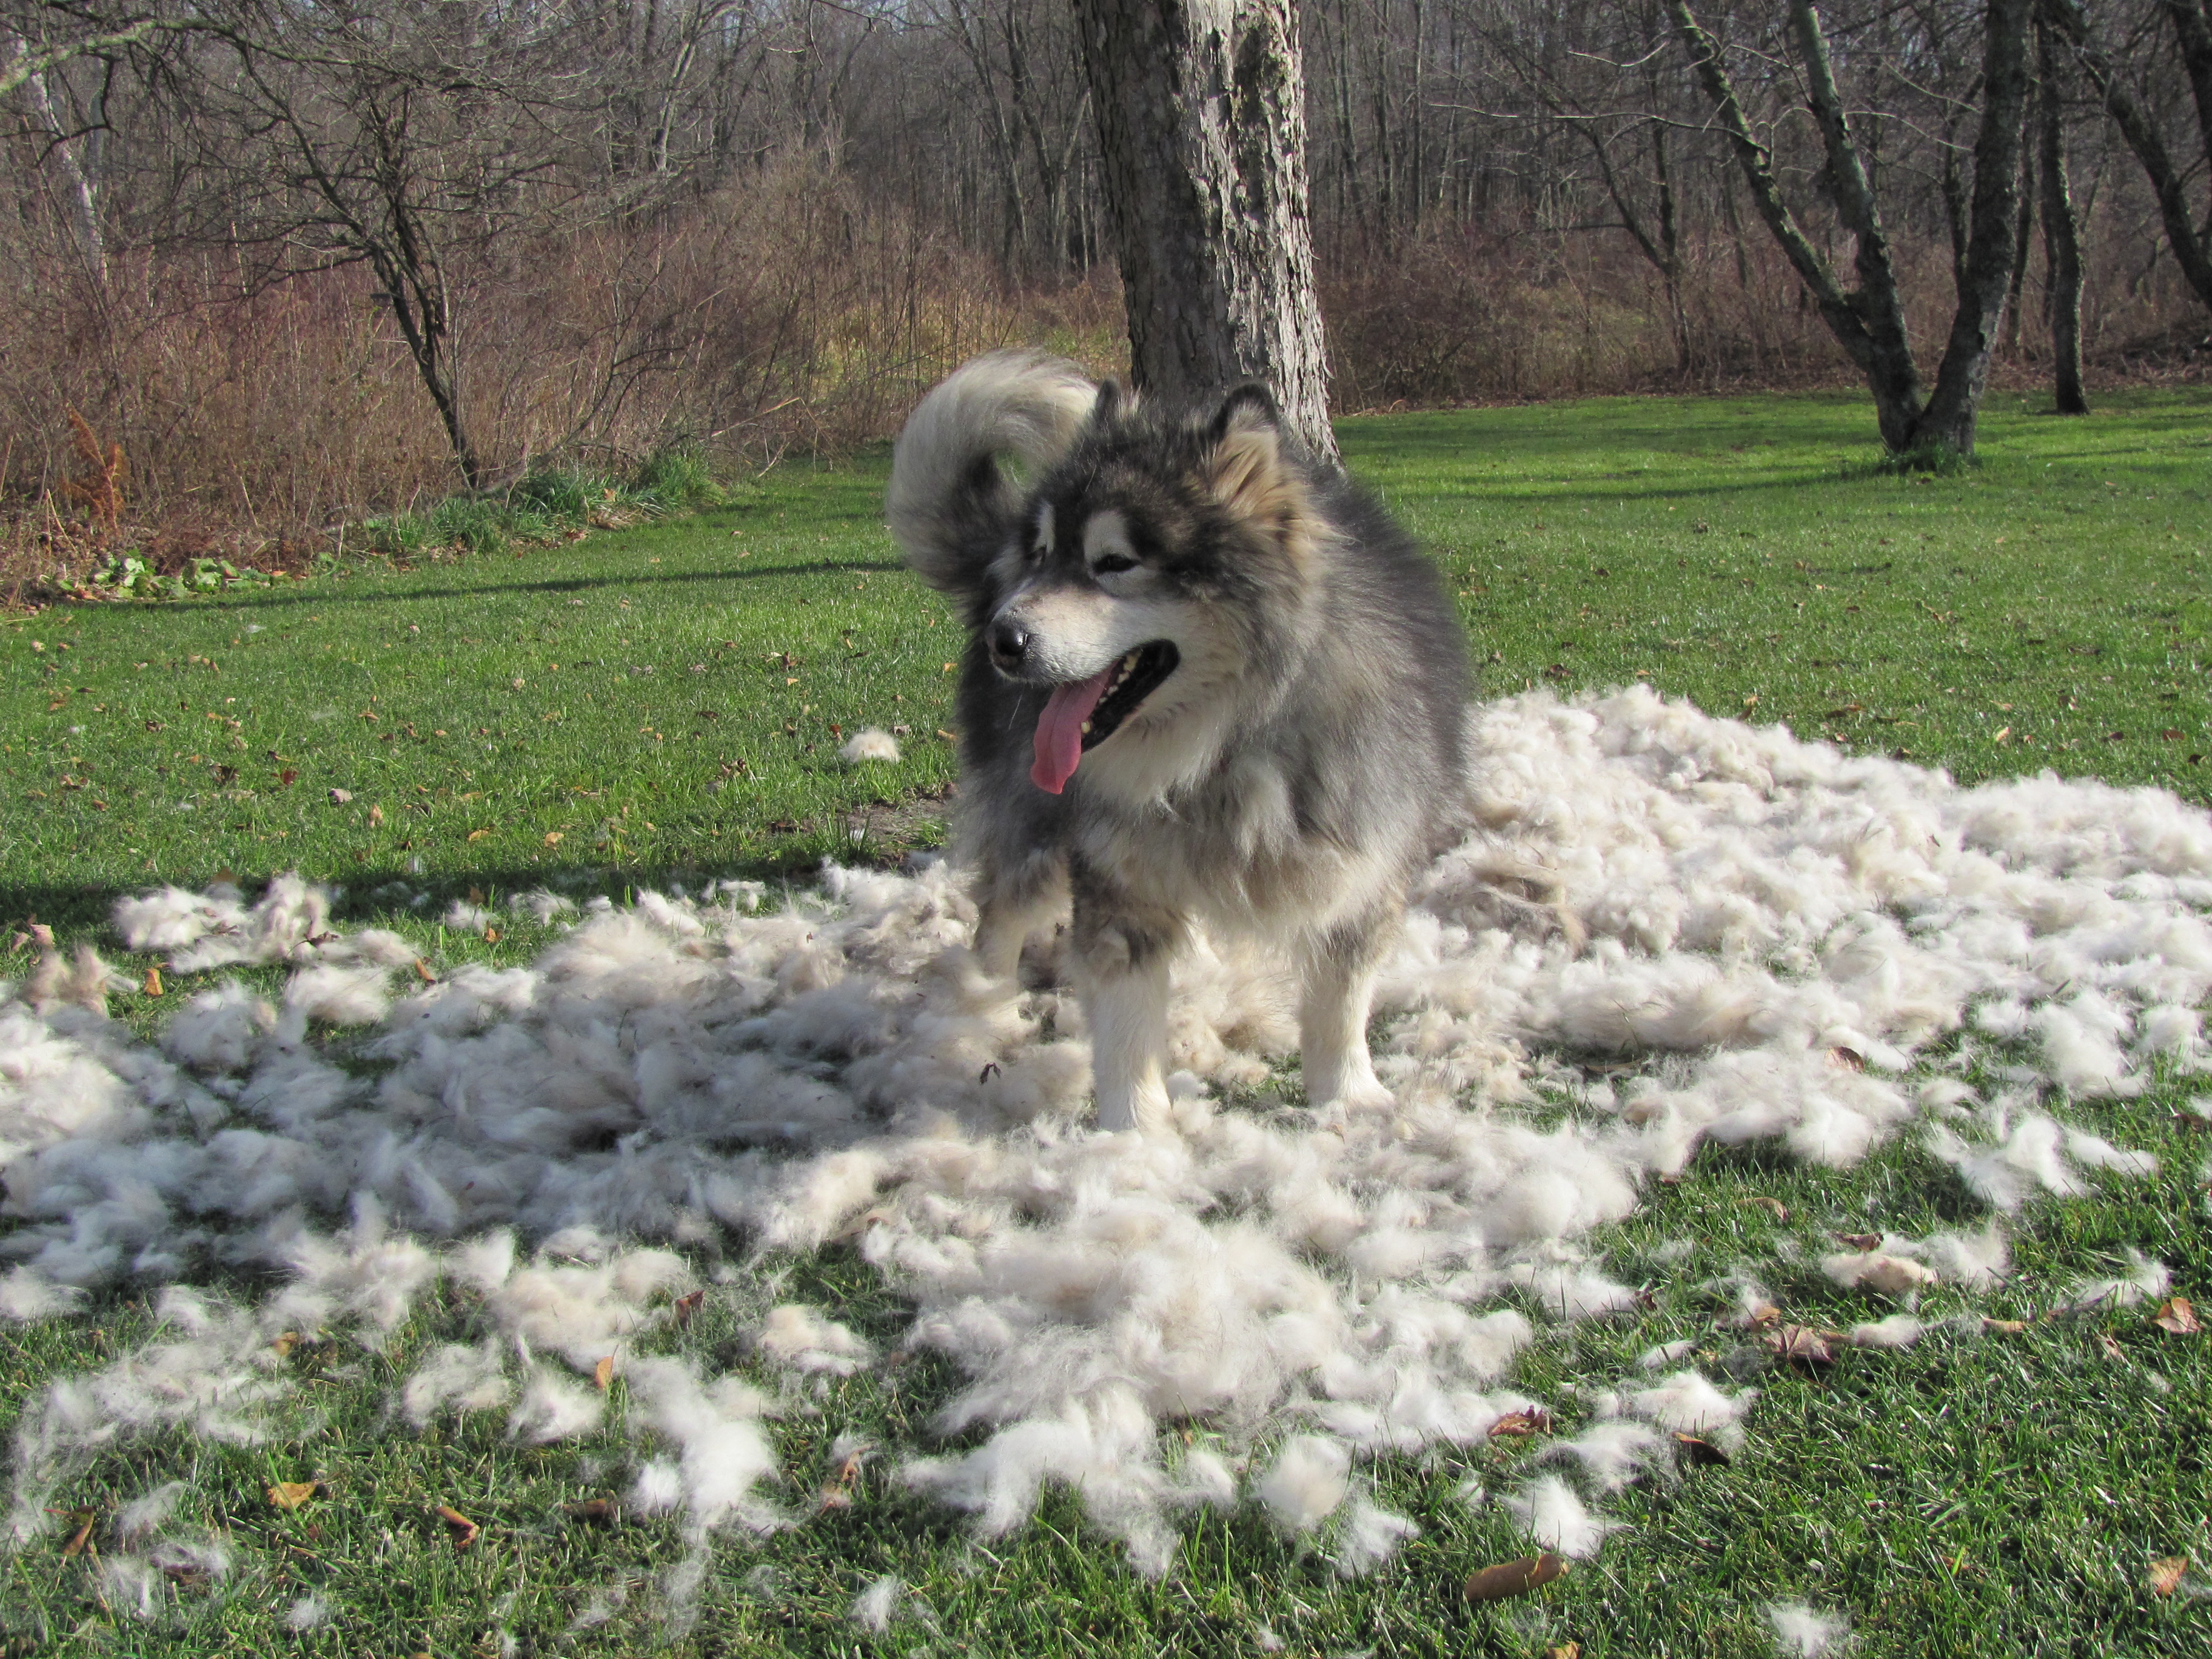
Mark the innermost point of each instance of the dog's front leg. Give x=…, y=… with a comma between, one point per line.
x=1337, y=971
x=1122, y=953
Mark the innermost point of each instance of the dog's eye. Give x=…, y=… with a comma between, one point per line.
x=1112, y=564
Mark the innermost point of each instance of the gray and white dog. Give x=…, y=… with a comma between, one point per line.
x=1208, y=679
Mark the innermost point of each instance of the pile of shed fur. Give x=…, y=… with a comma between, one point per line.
x=1680, y=928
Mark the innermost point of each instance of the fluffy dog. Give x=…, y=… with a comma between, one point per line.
x=1207, y=679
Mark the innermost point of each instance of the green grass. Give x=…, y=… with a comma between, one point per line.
x=1992, y=1495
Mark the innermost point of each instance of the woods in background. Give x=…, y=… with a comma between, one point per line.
x=301, y=262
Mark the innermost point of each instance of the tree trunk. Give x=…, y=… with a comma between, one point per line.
x=2062, y=240
x=1964, y=374
x=1201, y=124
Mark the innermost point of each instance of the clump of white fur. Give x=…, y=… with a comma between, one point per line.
x=869, y=744
x=1767, y=932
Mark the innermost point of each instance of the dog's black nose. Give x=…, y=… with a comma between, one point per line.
x=1010, y=643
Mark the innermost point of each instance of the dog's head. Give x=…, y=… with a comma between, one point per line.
x=1149, y=569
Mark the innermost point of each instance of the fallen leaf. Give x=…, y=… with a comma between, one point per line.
x=554, y=838
x=476, y=895
x=288, y=777
x=2172, y=734
x=2111, y=1349
x=464, y=1531
x=603, y=1372
x=85, y=1521
x=2004, y=732
x=491, y=936
x=340, y=797
x=376, y=818
x=422, y=972
x=2175, y=1315
x=2003, y=1326
x=1701, y=1452
x=1530, y=1419
x=152, y=981
x=1773, y=1206
x=283, y=1343
x=291, y=1494
x=594, y=1512
x=686, y=1305
x=2165, y=1575
x=1566, y=1650
x=1858, y=1241
x=478, y=834
x=1510, y=1579
x=1850, y=1059
x=1800, y=1344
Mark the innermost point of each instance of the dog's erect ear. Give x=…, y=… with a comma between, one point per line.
x=1114, y=400
x=1247, y=470
x=1248, y=407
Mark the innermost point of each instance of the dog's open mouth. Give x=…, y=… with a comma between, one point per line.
x=1085, y=713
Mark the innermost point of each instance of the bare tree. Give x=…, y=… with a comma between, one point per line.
x=2062, y=235
x=2138, y=118
x=1868, y=320
x=1201, y=121
x=401, y=138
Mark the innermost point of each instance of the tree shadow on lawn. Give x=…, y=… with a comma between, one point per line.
x=550, y=584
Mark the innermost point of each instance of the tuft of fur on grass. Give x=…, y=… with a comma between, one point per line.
x=869, y=744
x=1800, y=1633
x=873, y=1607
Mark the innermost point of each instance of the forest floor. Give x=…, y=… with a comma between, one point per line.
x=666, y=704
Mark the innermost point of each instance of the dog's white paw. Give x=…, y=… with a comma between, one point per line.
x=1358, y=1095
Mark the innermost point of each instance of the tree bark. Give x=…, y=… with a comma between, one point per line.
x=1201, y=106
x=2062, y=239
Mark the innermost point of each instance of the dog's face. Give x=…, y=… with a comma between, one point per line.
x=1145, y=571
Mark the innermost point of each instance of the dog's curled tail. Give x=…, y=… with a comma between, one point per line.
x=948, y=502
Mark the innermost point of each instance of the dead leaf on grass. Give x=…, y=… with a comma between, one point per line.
x=152, y=981
x=2165, y=1575
x=1800, y=1344
x=1528, y=1420
x=463, y=1530
x=478, y=834
x=685, y=1306
x=604, y=1373
x=1566, y=1650
x=1773, y=1206
x=288, y=1495
x=2111, y=1349
x=1701, y=1452
x=2003, y=1326
x=340, y=797
x=1850, y=1059
x=376, y=818
x=1510, y=1579
x=491, y=936
x=594, y=1512
x=84, y=1521
x=422, y=972
x=1859, y=1240
x=2175, y=1315
x=283, y=1343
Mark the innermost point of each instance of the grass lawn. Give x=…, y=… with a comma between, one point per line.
x=668, y=702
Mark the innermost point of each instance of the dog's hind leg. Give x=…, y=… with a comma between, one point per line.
x=1338, y=970
x=1123, y=955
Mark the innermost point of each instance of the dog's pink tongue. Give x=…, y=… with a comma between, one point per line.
x=1060, y=731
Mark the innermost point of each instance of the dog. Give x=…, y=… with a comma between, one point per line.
x=1207, y=680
